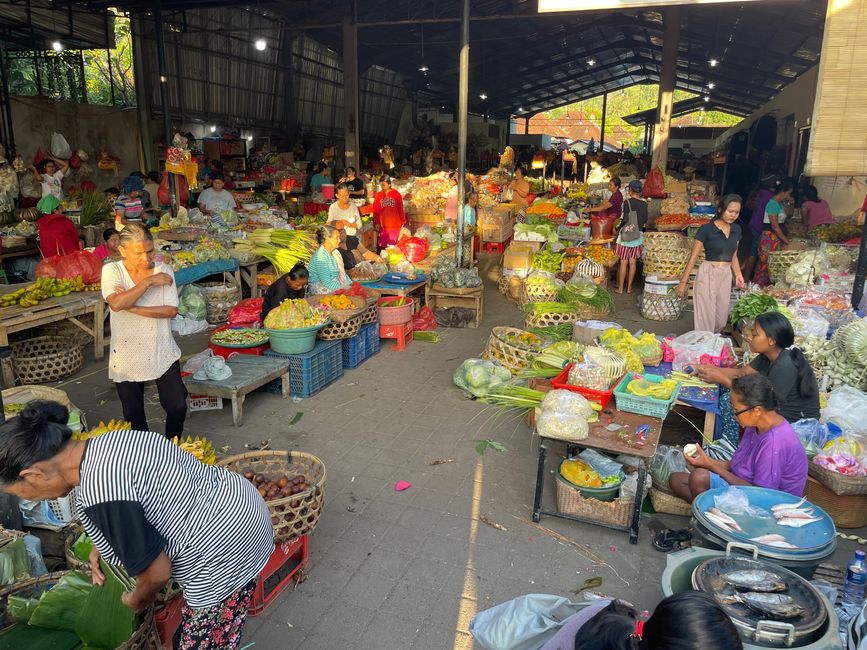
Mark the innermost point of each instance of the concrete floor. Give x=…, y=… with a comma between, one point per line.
x=394, y=570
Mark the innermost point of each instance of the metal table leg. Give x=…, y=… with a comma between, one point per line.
x=540, y=480
x=639, y=498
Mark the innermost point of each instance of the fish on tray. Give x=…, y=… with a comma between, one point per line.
x=773, y=539
x=787, y=506
x=720, y=518
x=796, y=513
x=779, y=606
x=755, y=580
x=797, y=522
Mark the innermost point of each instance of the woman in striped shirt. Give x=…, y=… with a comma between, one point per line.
x=326, y=264
x=155, y=509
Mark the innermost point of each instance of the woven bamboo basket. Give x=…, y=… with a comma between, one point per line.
x=570, y=502
x=779, y=262
x=295, y=515
x=544, y=320
x=669, y=227
x=666, y=503
x=46, y=358
x=668, y=262
x=653, y=361
x=663, y=239
x=536, y=293
x=342, y=315
x=660, y=307
x=846, y=511
x=219, y=299
x=512, y=357
x=838, y=483
x=144, y=638
x=503, y=285
x=340, y=331
x=369, y=315
x=25, y=394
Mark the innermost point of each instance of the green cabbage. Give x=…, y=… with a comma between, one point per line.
x=479, y=377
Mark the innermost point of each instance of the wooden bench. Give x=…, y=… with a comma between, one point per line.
x=248, y=374
x=437, y=297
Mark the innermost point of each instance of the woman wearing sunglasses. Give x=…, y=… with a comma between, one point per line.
x=769, y=455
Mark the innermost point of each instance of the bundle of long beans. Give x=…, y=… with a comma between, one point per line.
x=550, y=307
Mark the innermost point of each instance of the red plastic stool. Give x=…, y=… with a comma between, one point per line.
x=496, y=247
x=168, y=619
x=285, y=562
x=403, y=334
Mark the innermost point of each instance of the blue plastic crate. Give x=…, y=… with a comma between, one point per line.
x=373, y=342
x=355, y=350
x=312, y=371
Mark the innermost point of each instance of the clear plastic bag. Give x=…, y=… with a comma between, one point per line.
x=195, y=362
x=588, y=374
x=813, y=435
x=567, y=402
x=630, y=486
x=603, y=465
x=562, y=426
x=847, y=408
x=808, y=321
x=736, y=502
x=665, y=462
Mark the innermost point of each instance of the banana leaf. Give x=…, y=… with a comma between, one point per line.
x=82, y=547
x=14, y=565
x=105, y=621
x=21, y=609
x=27, y=636
x=59, y=608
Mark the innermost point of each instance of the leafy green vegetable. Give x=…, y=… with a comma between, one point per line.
x=482, y=446
x=752, y=304
x=59, y=608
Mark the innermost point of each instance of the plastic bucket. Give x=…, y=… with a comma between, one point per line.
x=294, y=341
x=394, y=315
x=328, y=191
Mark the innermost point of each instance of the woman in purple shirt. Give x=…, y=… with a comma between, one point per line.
x=769, y=455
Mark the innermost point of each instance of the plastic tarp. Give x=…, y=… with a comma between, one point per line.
x=196, y=272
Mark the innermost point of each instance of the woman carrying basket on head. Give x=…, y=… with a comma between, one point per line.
x=630, y=239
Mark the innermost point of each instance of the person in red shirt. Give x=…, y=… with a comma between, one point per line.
x=388, y=215
x=57, y=234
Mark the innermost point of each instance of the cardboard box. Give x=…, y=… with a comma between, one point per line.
x=496, y=232
x=496, y=215
x=676, y=187
x=518, y=259
x=531, y=246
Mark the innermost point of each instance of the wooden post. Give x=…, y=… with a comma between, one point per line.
x=668, y=76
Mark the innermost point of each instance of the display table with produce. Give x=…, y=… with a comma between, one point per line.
x=228, y=267
x=625, y=441
x=248, y=374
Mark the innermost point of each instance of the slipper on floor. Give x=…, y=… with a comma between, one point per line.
x=671, y=540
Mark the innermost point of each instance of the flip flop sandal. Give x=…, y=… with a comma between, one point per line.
x=670, y=540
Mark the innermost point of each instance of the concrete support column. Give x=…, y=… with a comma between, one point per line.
x=351, y=103
x=668, y=76
x=142, y=76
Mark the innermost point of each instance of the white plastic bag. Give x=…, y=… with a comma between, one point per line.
x=690, y=347
x=567, y=402
x=847, y=408
x=808, y=321
x=60, y=147
x=630, y=486
x=196, y=361
x=186, y=326
x=562, y=426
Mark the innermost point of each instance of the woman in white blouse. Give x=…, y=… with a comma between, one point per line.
x=143, y=299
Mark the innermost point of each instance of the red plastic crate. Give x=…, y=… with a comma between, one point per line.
x=258, y=351
x=168, y=619
x=602, y=398
x=284, y=564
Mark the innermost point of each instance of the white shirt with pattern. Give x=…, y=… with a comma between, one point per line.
x=142, y=349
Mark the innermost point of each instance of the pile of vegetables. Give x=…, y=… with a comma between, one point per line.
x=564, y=415
x=239, y=336
x=337, y=302
x=633, y=349
x=583, y=290
x=295, y=314
x=535, y=232
x=601, y=254
x=182, y=259
x=836, y=232
x=181, y=220
x=545, y=208
x=581, y=474
x=560, y=332
x=522, y=339
x=209, y=250
x=672, y=220
x=287, y=248
x=552, y=359
x=444, y=272
x=754, y=303
x=547, y=261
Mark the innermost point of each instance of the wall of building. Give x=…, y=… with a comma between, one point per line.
x=84, y=126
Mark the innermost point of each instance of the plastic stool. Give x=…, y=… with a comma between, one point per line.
x=403, y=334
x=496, y=247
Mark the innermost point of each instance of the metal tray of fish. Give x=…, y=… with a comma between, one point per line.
x=768, y=602
x=767, y=533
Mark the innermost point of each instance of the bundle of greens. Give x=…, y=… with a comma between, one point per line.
x=754, y=303
x=584, y=290
x=287, y=248
x=480, y=377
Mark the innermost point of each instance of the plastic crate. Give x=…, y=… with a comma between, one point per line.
x=602, y=398
x=287, y=560
x=648, y=406
x=373, y=342
x=204, y=403
x=312, y=371
x=354, y=350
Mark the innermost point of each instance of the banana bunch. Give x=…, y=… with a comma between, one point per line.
x=102, y=427
x=643, y=388
x=199, y=447
x=40, y=290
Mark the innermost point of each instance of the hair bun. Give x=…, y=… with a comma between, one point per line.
x=33, y=416
x=41, y=412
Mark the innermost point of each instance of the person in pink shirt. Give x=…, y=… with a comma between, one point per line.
x=769, y=455
x=815, y=211
x=109, y=247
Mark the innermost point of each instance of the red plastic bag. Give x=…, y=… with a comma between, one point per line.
x=414, y=249
x=74, y=160
x=654, y=186
x=246, y=312
x=424, y=320
x=83, y=263
x=38, y=157
x=47, y=268
x=164, y=194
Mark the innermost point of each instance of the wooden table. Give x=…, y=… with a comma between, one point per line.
x=29, y=250
x=437, y=297
x=603, y=440
x=248, y=273
x=248, y=373
x=401, y=291
x=69, y=307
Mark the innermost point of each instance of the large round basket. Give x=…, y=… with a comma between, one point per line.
x=369, y=315
x=295, y=515
x=537, y=293
x=544, y=320
x=659, y=307
x=294, y=341
x=339, y=331
x=341, y=315
x=779, y=262
x=838, y=483
x=571, y=502
x=512, y=357
x=25, y=394
x=219, y=299
x=46, y=358
x=667, y=503
x=846, y=511
x=664, y=262
x=144, y=638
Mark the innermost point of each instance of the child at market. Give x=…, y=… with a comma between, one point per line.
x=128, y=206
x=50, y=173
x=109, y=247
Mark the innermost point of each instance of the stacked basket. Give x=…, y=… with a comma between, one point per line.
x=345, y=323
x=219, y=299
x=46, y=358
x=779, y=262
x=512, y=357
x=665, y=254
